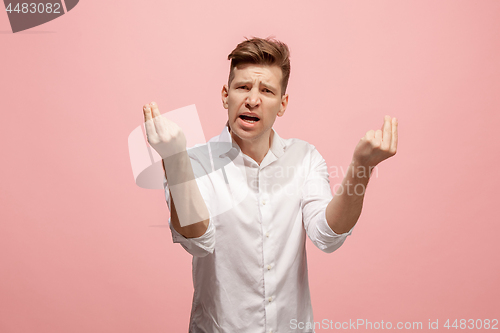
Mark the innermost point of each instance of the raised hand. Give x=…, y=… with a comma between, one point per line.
x=165, y=136
x=378, y=145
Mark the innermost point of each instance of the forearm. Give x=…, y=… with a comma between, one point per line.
x=344, y=209
x=188, y=211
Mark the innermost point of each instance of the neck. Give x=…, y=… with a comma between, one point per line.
x=256, y=149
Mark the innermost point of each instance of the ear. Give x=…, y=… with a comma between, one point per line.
x=284, y=104
x=224, y=95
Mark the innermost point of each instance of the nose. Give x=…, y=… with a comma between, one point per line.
x=253, y=99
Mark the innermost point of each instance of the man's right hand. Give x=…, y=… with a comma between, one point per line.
x=189, y=213
x=165, y=136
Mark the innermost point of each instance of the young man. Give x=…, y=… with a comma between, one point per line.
x=249, y=262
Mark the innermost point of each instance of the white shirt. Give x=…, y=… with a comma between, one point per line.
x=250, y=267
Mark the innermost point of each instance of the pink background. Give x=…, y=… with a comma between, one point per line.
x=83, y=249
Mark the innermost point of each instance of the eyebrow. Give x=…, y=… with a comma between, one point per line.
x=267, y=85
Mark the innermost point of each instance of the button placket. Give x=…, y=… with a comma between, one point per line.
x=269, y=249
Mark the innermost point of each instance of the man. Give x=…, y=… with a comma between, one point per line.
x=249, y=262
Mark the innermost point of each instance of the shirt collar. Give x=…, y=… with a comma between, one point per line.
x=278, y=145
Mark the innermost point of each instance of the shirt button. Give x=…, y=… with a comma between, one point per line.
x=264, y=202
x=268, y=267
x=267, y=234
x=270, y=299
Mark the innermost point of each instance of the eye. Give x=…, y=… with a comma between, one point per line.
x=242, y=87
x=267, y=90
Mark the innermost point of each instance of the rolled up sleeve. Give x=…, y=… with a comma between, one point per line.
x=199, y=246
x=325, y=238
x=316, y=195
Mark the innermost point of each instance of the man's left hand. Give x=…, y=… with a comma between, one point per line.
x=378, y=145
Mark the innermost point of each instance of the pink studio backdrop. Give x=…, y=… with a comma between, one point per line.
x=84, y=249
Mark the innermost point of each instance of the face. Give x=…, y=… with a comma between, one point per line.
x=253, y=101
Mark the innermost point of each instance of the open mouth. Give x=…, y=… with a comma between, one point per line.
x=249, y=119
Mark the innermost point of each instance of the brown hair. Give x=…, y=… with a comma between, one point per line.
x=261, y=51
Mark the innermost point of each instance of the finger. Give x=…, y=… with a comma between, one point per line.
x=148, y=122
x=394, y=142
x=378, y=137
x=155, y=110
x=147, y=112
x=369, y=135
x=386, y=133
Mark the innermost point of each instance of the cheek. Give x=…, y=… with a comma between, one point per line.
x=233, y=104
x=232, y=110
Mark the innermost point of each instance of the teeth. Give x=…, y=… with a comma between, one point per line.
x=249, y=121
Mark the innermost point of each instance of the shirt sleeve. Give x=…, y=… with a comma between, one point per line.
x=199, y=246
x=316, y=195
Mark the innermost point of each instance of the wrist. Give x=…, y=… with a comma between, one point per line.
x=363, y=163
x=178, y=168
x=360, y=171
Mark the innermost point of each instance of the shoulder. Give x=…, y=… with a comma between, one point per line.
x=298, y=146
x=302, y=154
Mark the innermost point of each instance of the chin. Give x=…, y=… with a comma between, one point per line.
x=241, y=133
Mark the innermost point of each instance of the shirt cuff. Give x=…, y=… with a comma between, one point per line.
x=198, y=246
x=327, y=231
x=328, y=240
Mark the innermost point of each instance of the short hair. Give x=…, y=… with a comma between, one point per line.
x=261, y=51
